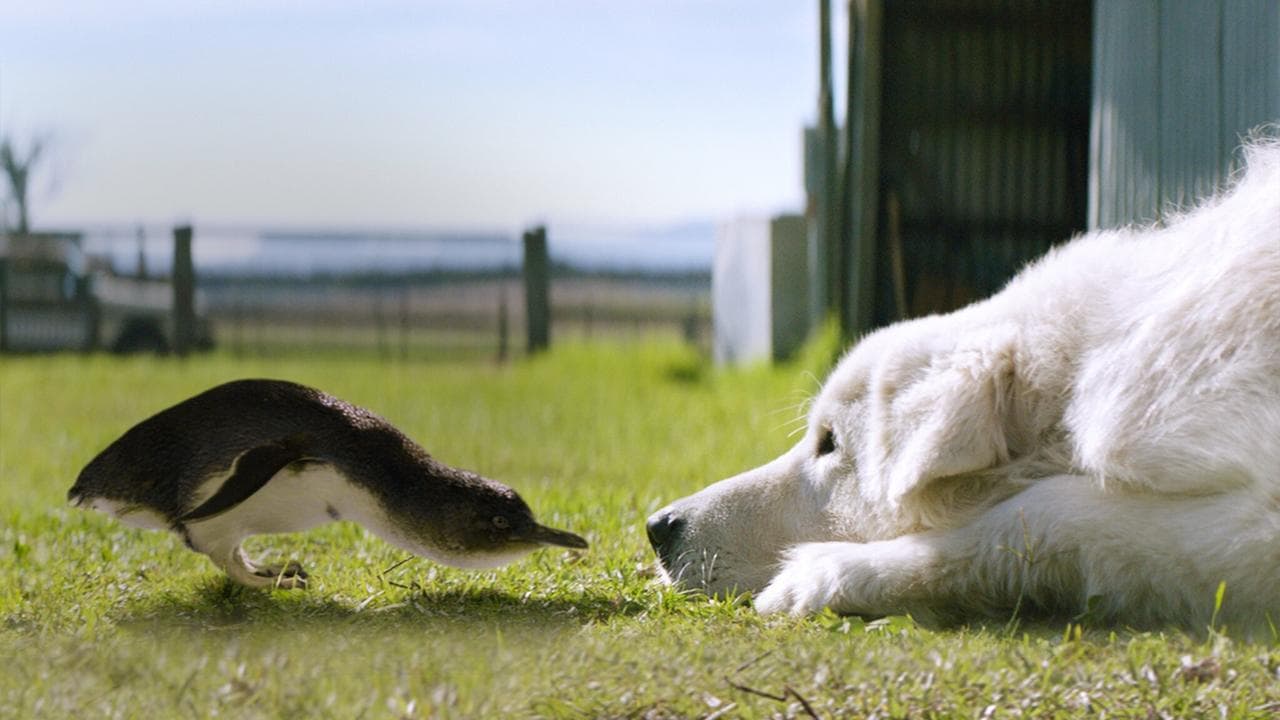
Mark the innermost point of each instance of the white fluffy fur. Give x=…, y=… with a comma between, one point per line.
x=1104, y=432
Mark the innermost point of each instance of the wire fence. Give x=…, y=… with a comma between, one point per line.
x=409, y=296
x=446, y=316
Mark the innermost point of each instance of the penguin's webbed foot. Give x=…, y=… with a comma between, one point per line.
x=289, y=577
x=250, y=574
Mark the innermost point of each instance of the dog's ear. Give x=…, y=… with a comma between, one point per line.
x=950, y=418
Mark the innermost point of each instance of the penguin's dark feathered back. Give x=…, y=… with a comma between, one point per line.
x=275, y=423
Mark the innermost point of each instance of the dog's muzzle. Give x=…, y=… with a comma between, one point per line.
x=664, y=529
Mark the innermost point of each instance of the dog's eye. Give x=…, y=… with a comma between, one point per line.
x=827, y=443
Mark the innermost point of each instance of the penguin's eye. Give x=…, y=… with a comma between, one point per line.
x=501, y=522
x=826, y=442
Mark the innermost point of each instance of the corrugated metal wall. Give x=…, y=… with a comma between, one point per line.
x=984, y=144
x=1176, y=85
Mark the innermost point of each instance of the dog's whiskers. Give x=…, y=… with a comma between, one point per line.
x=679, y=576
x=817, y=382
x=801, y=420
x=708, y=568
x=787, y=408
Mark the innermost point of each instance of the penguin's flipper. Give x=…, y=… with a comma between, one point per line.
x=251, y=471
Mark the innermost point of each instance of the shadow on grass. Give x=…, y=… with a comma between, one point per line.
x=221, y=604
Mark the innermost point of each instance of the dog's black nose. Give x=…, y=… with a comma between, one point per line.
x=662, y=527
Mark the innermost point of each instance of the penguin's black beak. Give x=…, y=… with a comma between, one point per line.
x=550, y=536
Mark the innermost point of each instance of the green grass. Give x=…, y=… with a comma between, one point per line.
x=99, y=620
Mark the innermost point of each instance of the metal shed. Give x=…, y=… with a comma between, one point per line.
x=984, y=131
x=1178, y=84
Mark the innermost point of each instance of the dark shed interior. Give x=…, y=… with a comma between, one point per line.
x=984, y=145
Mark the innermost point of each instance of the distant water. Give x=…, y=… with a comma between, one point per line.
x=225, y=250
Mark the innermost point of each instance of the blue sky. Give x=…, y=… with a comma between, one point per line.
x=462, y=114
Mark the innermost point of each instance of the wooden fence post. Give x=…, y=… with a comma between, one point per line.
x=184, y=291
x=4, y=305
x=380, y=323
x=404, y=323
x=503, y=329
x=537, y=281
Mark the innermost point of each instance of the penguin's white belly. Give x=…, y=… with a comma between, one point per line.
x=297, y=500
x=132, y=515
x=293, y=500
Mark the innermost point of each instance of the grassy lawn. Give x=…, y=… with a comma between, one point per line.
x=98, y=620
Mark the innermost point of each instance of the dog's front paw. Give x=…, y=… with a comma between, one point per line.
x=877, y=578
x=810, y=580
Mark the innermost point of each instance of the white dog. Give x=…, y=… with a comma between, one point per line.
x=1103, y=435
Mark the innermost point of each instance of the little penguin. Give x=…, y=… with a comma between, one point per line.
x=269, y=456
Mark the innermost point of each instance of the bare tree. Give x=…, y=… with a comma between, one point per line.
x=17, y=167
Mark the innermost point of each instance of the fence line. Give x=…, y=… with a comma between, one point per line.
x=446, y=320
